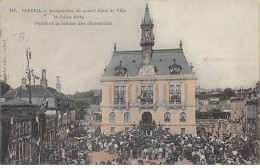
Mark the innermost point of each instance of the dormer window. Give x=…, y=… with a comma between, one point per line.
x=120, y=70
x=175, y=69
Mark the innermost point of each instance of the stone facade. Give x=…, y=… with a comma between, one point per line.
x=148, y=85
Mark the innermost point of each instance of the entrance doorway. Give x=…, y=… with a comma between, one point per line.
x=147, y=118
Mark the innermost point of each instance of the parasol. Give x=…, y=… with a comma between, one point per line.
x=202, y=157
x=234, y=153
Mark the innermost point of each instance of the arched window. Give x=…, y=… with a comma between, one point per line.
x=127, y=117
x=112, y=117
x=167, y=117
x=183, y=117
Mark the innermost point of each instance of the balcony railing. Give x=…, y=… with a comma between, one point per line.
x=120, y=105
x=175, y=104
x=145, y=105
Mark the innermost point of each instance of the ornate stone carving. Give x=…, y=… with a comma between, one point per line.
x=175, y=69
x=147, y=69
x=120, y=70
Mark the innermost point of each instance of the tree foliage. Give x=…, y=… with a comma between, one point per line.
x=228, y=92
x=4, y=88
x=81, y=107
x=202, y=96
x=83, y=100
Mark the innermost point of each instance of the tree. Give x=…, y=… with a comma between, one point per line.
x=4, y=88
x=202, y=96
x=81, y=107
x=81, y=104
x=228, y=92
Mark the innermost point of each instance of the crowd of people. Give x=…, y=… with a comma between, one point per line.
x=159, y=144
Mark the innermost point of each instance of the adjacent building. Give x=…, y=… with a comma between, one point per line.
x=252, y=122
x=146, y=85
x=237, y=109
x=20, y=132
x=59, y=108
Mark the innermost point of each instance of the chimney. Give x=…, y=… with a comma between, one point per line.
x=43, y=80
x=58, y=85
x=24, y=83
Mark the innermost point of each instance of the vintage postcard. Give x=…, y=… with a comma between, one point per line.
x=119, y=82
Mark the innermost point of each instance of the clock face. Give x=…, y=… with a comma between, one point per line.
x=146, y=69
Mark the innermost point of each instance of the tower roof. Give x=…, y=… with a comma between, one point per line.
x=147, y=18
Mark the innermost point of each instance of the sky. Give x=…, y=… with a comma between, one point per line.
x=220, y=38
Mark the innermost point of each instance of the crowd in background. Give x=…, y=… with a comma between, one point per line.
x=158, y=144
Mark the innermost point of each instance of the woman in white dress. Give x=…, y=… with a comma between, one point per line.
x=106, y=146
x=115, y=148
x=131, y=154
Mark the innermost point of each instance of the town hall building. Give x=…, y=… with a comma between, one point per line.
x=149, y=85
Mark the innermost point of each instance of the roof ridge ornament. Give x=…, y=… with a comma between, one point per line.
x=147, y=8
x=181, y=44
x=191, y=66
x=114, y=46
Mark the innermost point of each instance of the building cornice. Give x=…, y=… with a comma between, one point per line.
x=149, y=78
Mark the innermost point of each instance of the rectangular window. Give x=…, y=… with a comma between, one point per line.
x=175, y=93
x=112, y=130
x=252, y=112
x=168, y=130
x=19, y=127
x=183, y=131
x=146, y=94
x=119, y=94
x=17, y=151
x=126, y=129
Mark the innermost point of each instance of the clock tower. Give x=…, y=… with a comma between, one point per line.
x=147, y=39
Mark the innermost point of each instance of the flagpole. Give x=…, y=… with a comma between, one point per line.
x=28, y=56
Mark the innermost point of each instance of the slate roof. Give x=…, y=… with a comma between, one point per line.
x=162, y=59
x=38, y=91
x=17, y=102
